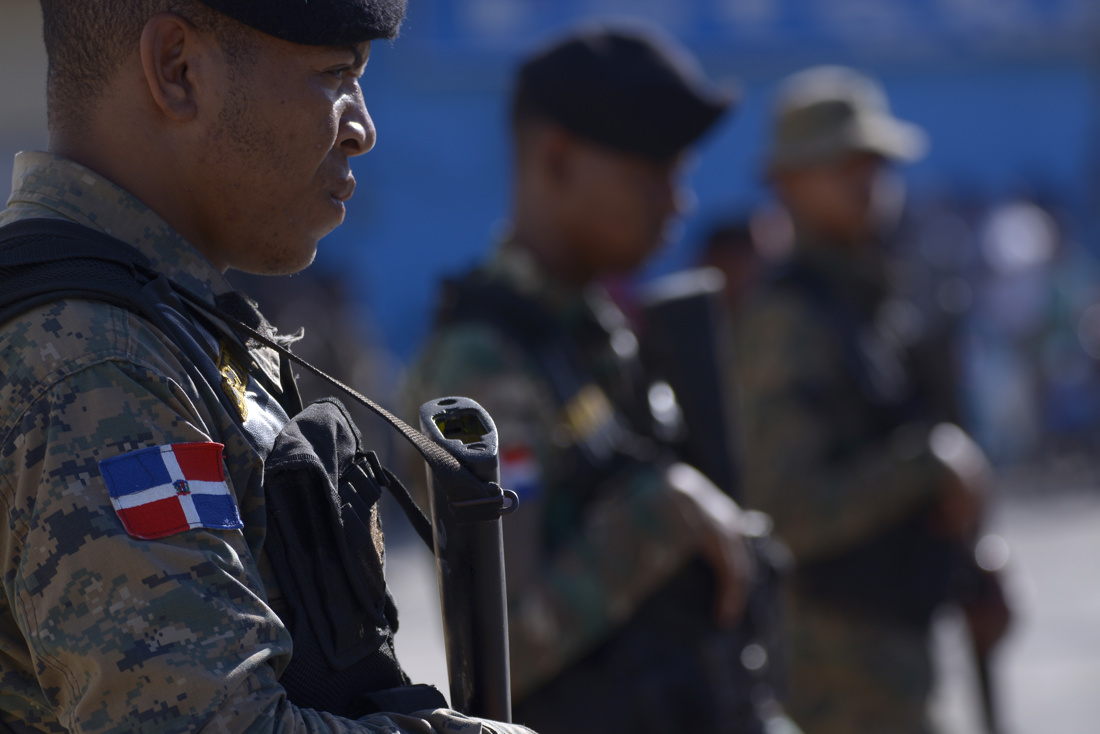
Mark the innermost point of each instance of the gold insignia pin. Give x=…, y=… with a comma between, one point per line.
x=588, y=412
x=234, y=381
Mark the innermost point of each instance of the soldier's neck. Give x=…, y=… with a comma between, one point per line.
x=551, y=250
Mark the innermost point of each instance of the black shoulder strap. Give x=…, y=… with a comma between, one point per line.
x=43, y=260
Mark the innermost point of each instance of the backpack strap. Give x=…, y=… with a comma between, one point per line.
x=45, y=260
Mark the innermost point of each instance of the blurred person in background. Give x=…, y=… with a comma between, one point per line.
x=730, y=248
x=847, y=445
x=625, y=567
x=746, y=248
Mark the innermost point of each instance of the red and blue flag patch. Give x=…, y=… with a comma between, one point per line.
x=164, y=490
x=519, y=471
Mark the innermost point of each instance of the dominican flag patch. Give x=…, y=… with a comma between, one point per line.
x=165, y=490
x=519, y=471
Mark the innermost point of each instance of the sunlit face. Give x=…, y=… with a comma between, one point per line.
x=834, y=199
x=276, y=160
x=618, y=207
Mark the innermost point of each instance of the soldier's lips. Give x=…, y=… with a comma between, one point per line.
x=344, y=190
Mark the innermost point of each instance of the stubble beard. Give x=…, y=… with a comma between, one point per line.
x=245, y=137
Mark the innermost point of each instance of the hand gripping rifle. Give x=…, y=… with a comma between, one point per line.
x=687, y=341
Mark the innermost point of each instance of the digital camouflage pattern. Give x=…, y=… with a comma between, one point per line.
x=568, y=595
x=101, y=632
x=830, y=480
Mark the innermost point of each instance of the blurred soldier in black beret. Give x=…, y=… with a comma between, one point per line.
x=628, y=567
x=150, y=582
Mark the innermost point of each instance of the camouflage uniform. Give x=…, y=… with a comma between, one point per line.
x=100, y=631
x=831, y=479
x=574, y=575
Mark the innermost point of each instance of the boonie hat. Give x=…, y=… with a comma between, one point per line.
x=826, y=111
x=624, y=85
x=317, y=22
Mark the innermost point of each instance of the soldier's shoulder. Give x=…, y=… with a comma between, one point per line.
x=70, y=330
x=50, y=341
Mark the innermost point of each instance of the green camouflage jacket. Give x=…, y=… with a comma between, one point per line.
x=831, y=478
x=572, y=579
x=101, y=631
x=827, y=476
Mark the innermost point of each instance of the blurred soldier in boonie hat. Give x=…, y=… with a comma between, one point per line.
x=833, y=139
x=847, y=410
x=827, y=112
x=151, y=584
x=627, y=567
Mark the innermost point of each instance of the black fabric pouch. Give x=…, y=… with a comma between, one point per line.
x=325, y=543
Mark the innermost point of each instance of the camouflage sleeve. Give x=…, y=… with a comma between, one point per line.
x=102, y=632
x=633, y=537
x=801, y=422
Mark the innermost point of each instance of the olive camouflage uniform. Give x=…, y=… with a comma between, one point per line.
x=831, y=479
x=571, y=583
x=100, y=631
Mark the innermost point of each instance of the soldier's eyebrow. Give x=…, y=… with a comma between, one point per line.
x=360, y=61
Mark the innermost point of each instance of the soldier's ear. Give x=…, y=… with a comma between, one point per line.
x=172, y=57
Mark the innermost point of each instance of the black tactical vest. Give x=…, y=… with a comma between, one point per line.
x=686, y=674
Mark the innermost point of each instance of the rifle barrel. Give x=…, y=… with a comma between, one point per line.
x=469, y=552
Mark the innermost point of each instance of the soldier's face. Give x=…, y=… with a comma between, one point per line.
x=619, y=207
x=276, y=159
x=834, y=199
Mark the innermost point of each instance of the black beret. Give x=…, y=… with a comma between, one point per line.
x=629, y=87
x=317, y=22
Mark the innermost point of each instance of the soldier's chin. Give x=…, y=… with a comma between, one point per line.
x=299, y=264
x=283, y=261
